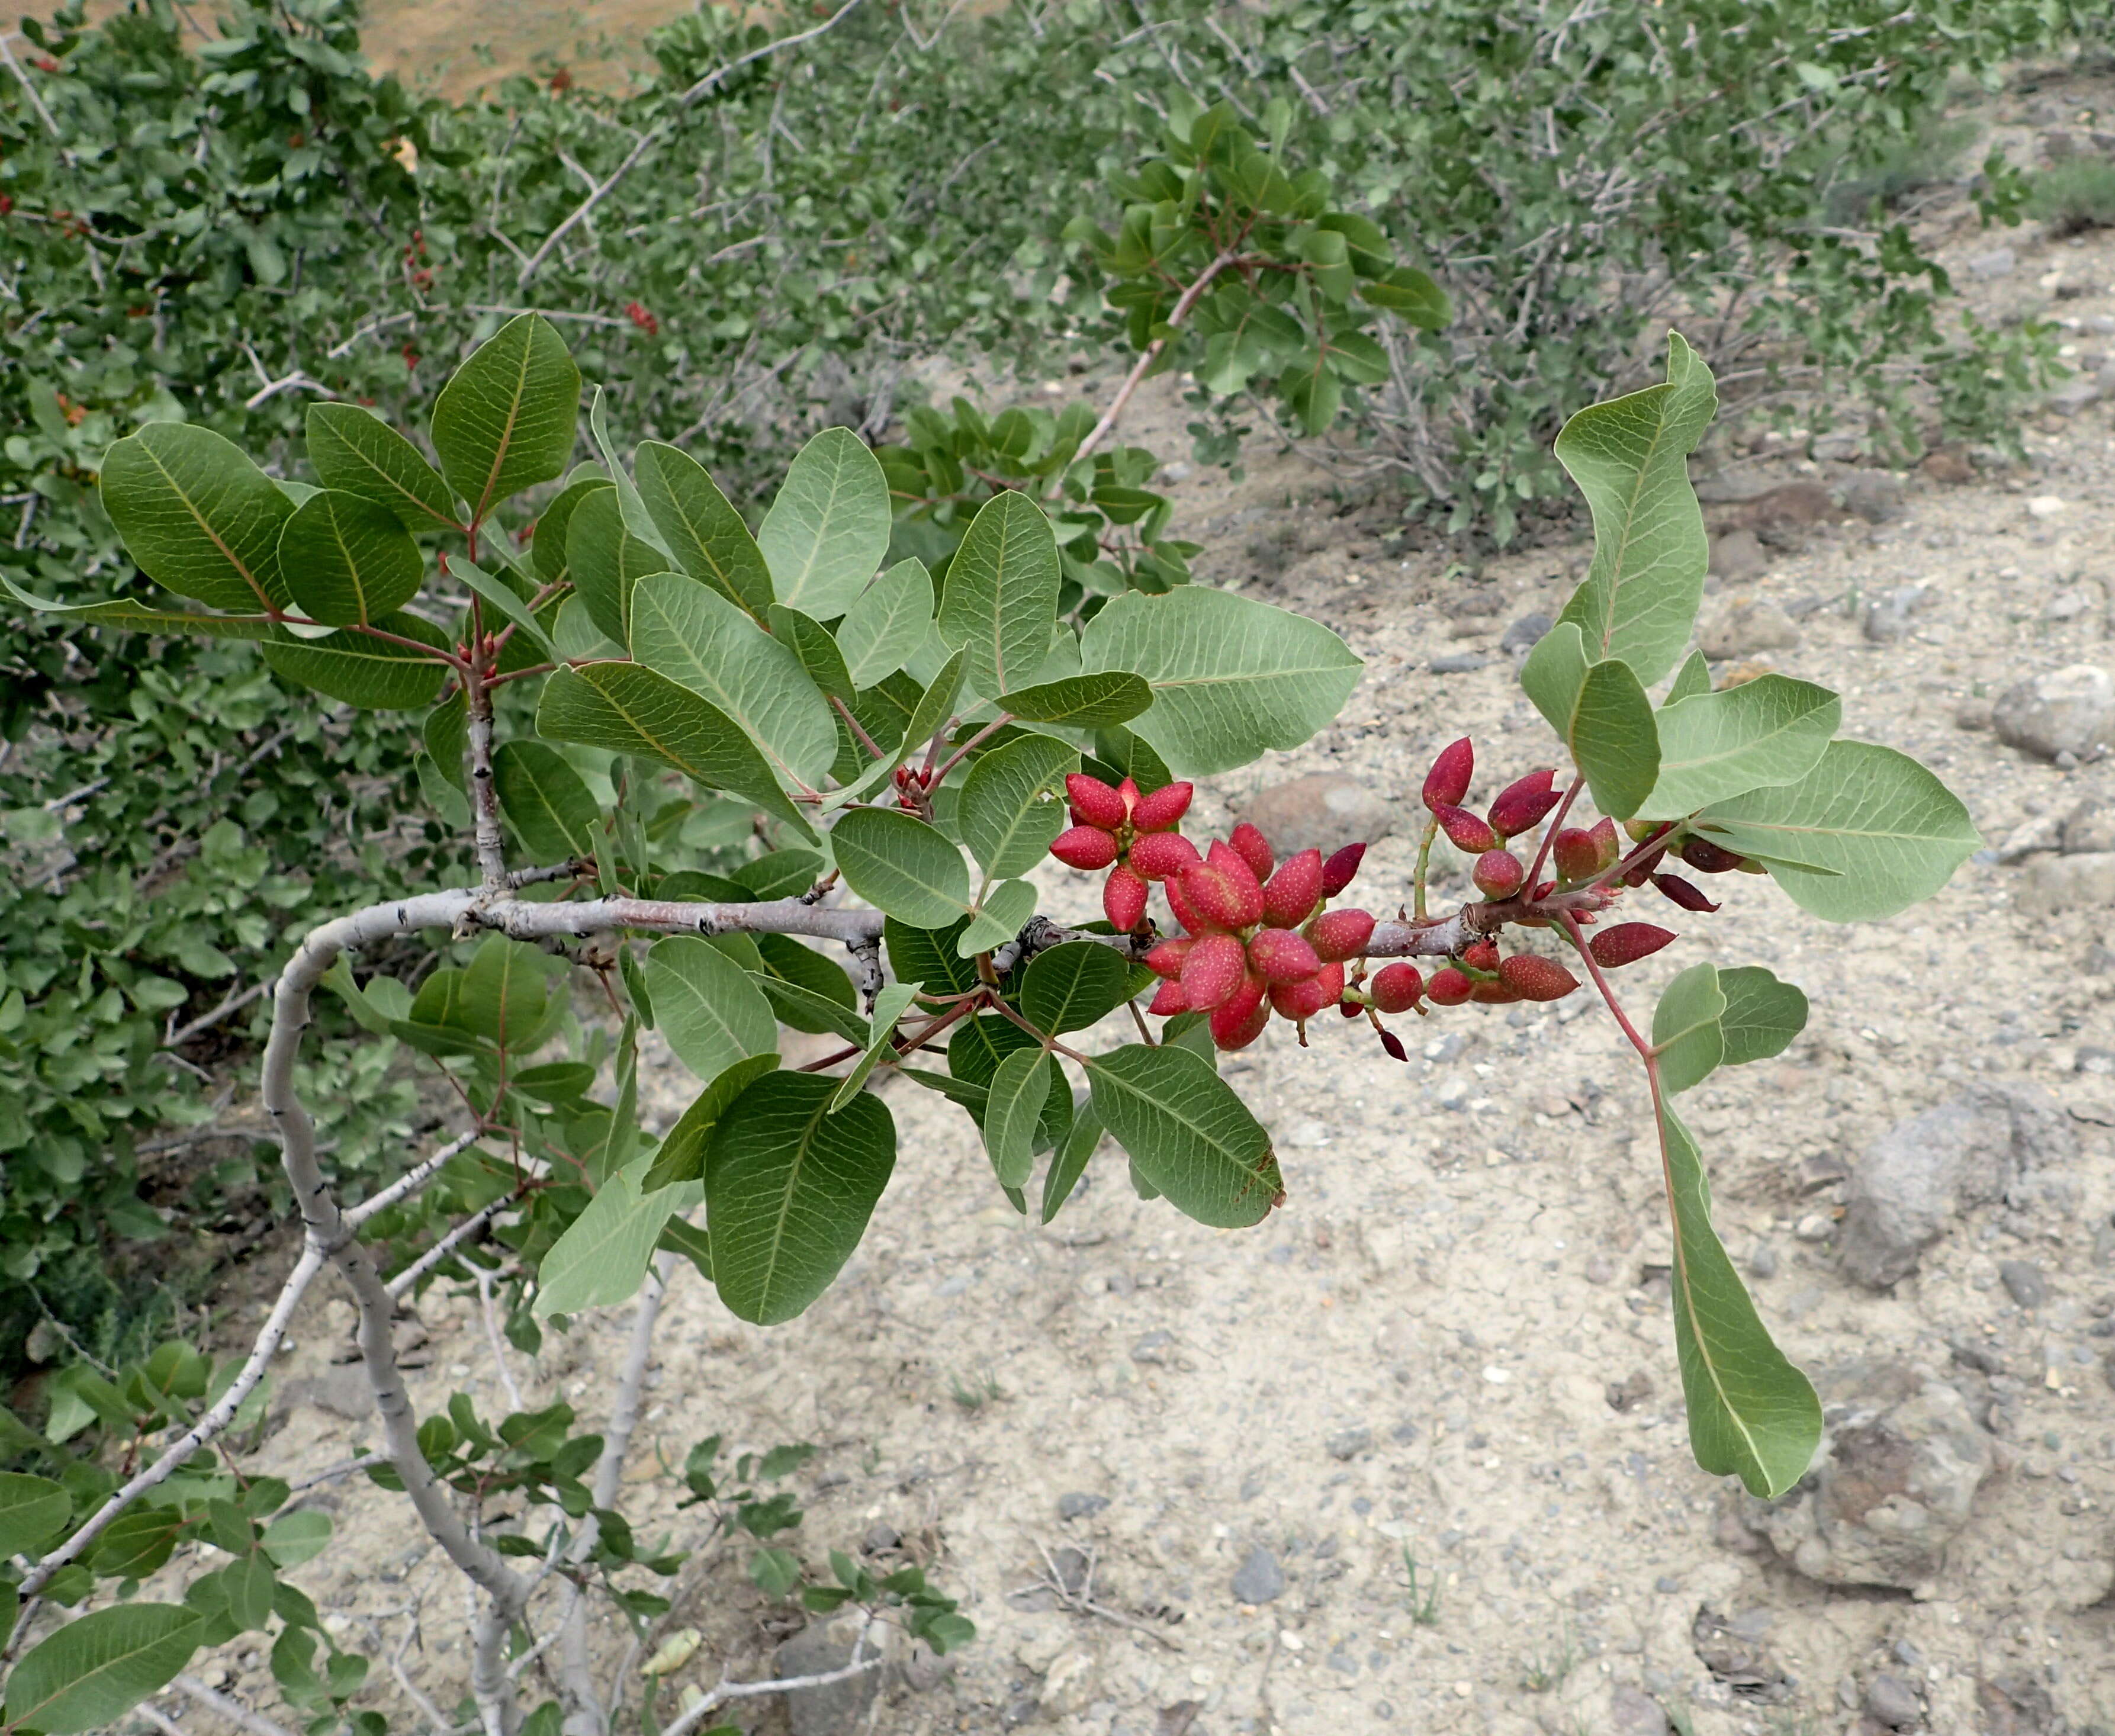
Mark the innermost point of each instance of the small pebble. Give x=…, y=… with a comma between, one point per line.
x=1458, y=662
x=2023, y=1280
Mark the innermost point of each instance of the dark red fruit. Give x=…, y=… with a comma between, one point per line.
x=1393, y=1044
x=1294, y=891
x=1169, y=1001
x=1222, y=890
x=1626, y=944
x=1184, y=911
x=1706, y=857
x=1094, y=802
x=1254, y=848
x=1338, y=871
x=1216, y=967
x=1481, y=955
x=1465, y=831
x=1520, y=806
x=1123, y=898
x=1447, y=783
x=1397, y=988
x=1537, y=978
x=1340, y=934
x=1240, y=1021
x=1164, y=808
x=1683, y=894
x=1448, y=987
x=1494, y=994
x=1303, y=1000
x=1158, y=855
x=1498, y=874
x=1607, y=845
x=1085, y=846
x=1166, y=959
x=1281, y=958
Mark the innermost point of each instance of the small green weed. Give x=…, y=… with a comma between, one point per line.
x=980, y=1390
x=1424, y=1611
x=2074, y=196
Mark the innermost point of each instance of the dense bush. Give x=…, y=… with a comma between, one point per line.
x=219, y=236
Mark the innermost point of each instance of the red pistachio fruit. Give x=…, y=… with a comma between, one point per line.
x=1447, y=783
x=1294, y=891
x=1340, y=934
x=1169, y=1001
x=1481, y=955
x=1396, y=987
x=1683, y=894
x=1521, y=804
x=1537, y=978
x=1280, y=957
x=1626, y=944
x=1466, y=832
x=1254, y=848
x=1094, y=802
x=1338, y=872
x=1706, y=857
x=1215, y=968
x=1159, y=855
x=1303, y=1000
x=1123, y=898
x=1393, y=1044
x=1085, y=846
x=1164, y=808
x=1572, y=849
x=1223, y=888
x=1606, y=844
x=1498, y=874
x=1448, y=987
x=1240, y=1021
x=1183, y=911
x=1494, y=994
x=1166, y=959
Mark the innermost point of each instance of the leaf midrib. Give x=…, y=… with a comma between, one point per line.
x=176, y=487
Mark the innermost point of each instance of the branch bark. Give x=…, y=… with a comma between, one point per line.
x=1151, y=354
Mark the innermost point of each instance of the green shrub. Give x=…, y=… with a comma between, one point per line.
x=2075, y=195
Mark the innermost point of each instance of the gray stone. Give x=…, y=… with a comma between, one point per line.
x=1893, y=1485
x=1458, y=662
x=2092, y=1060
x=2054, y=884
x=1738, y=557
x=1892, y=1702
x=880, y=1539
x=1908, y=1184
x=2089, y=829
x=1875, y=496
x=1632, y=1712
x=1999, y=262
x=2023, y=1280
x=838, y=1709
x=1077, y=1504
x=1886, y=617
x=1763, y=1261
x=1524, y=634
x=2073, y=396
x=2066, y=710
x=1153, y=1347
x=1350, y=1443
x=1739, y=627
x=1324, y=811
x=1260, y=1579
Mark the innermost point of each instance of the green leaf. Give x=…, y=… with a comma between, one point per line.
x=787, y=959
x=93, y=1671
x=546, y=803
x=355, y=452
x=928, y=957
x=1118, y=755
x=829, y=527
x=886, y=622
x=137, y=1542
x=606, y=559
x=690, y=633
x=143, y=617
x=1601, y=714
x=603, y=1256
x=1760, y=734
x=1069, y=1162
x=789, y=1188
x=1867, y=833
x=1751, y=1413
x=1003, y=816
x=1687, y=1037
x=507, y=419
x=889, y=1007
x=1188, y=1133
x=33, y=1511
x=295, y=1537
x=250, y=1583
x=682, y=1156
x=199, y=518
x=1763, y=1014
x=693, y=1244
x=1410, y=293
x=1074, y=987
x=550, y=551
x=373, y=674
x=1692, y=678
x=806, y=1009
x=1001, y=597
x=901, y=867
x=704, y=534
x=1232, y=677
x=1094, y=702
x=1630, y=457
x=1006, y=907
x=708, y=1007
x=348, y=561
x=499, y=599
x=446, y=734
x=1010, y=1114
x=815, y=649
x=631, y=710
x=503, y=994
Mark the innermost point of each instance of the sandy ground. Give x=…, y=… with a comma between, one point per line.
x=1452, y=1346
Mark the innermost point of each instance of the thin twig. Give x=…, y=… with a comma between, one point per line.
x=240, y=1715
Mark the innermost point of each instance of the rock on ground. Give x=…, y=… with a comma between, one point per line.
x=2055, y=883
x=1324, y=811
x=1909, y=1184
x=835, y=1711
x=1739, y=627
x=2068, y=711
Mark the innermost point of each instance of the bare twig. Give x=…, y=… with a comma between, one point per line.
x=1151, y=353
x=29, y=90
x=240, y=1715
x=492, y=1338
x=726, y=1691
x=441, y=1722
x=410, y=1182
x=174, y=1035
